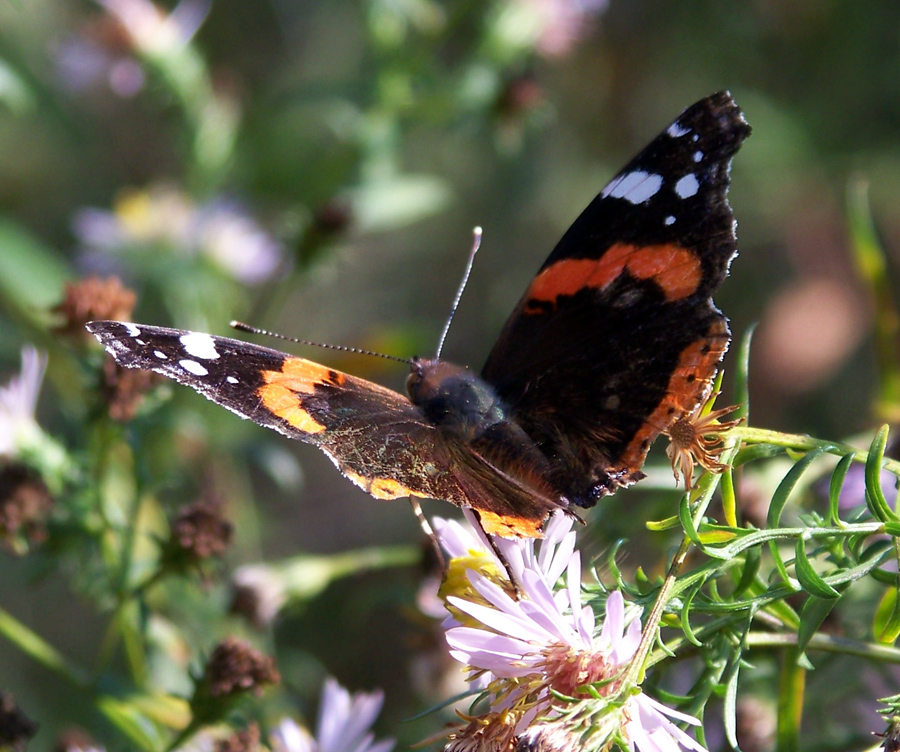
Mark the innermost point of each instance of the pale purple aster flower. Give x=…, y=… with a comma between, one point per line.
x=162, y=215
x=546, y=641
x=18, y=402
x=343, y=724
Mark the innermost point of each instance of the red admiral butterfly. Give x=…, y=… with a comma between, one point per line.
x=614, y=342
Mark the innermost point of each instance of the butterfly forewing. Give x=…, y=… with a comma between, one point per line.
x=617, y=337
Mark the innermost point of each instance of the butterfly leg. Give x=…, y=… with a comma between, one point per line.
x=499, y=554
x=428, y=530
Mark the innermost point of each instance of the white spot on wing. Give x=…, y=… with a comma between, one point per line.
x=687, y=186
x=132, y=330
x=698, y=156
x=231, y=380
x=192, y=366
x=670, y=220
x=199, y=345
x=676, y=130
x=636, y=187
x=160, y=354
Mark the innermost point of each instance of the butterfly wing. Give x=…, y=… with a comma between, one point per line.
x=376, y=437
x=617, y=337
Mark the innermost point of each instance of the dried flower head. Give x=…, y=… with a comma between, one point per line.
x=123, y=389
x=25, y=503
x=697, y=439
x=245, y=740
x=233, y=671
x=15, y=727
x=199, y=531
x=93, y=298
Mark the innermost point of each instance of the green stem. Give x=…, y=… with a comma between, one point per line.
x=636, y=668
x=826, y=643
x=34, y=646
x=792, y=685
x=802, y=443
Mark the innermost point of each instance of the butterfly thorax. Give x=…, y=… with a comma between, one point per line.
x=454, y=397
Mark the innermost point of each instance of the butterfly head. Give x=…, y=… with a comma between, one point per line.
x=453, y=396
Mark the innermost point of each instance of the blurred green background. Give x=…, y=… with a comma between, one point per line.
x=317, y=168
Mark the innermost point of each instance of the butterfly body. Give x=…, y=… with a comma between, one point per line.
x=614, y=341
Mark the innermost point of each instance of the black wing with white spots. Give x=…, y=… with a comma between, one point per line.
x=617, y=336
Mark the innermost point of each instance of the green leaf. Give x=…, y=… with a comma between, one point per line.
x=139, y=729
x=757, y=452
x=808, y=577
x=742, y=373
x=729, y=498
x=887, y=618
x=729, y=710
x=834, y=489
x=780, y=497
x=749, y=572
x=31, y=274
x=397, y=201
x=687, y=521
x=813, y=613
x=875, y=500
x=686, y=618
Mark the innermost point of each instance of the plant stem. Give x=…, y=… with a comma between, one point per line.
x=802, y=443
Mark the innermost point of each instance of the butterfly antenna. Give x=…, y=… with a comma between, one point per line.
x=242, y=327
x=476, y=244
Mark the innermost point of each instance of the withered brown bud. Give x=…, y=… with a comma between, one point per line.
x=90, y=299
x=123, y=389
x=246, y=740
x=200, y=531
x=25, y=503
x=235, y=667
x=15, y=727
x=519, y=94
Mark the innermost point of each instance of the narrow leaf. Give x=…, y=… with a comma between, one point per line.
x=834, y=489
x=780, y=497
x=809, y=578
x=875, y=500
x=813, y=613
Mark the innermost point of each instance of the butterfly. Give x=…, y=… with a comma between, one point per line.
x=615, y=341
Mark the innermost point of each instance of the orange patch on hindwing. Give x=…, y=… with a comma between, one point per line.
x=506, y=526
x=688, y=386
x=281, y=390
x=381, y=488
x=675, y=270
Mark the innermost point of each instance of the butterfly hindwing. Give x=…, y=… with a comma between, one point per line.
x=617, y=337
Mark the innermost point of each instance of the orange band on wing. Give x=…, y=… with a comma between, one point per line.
x=285, y=403
x=297, y=376
x=674, y=269
x=689, y=384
